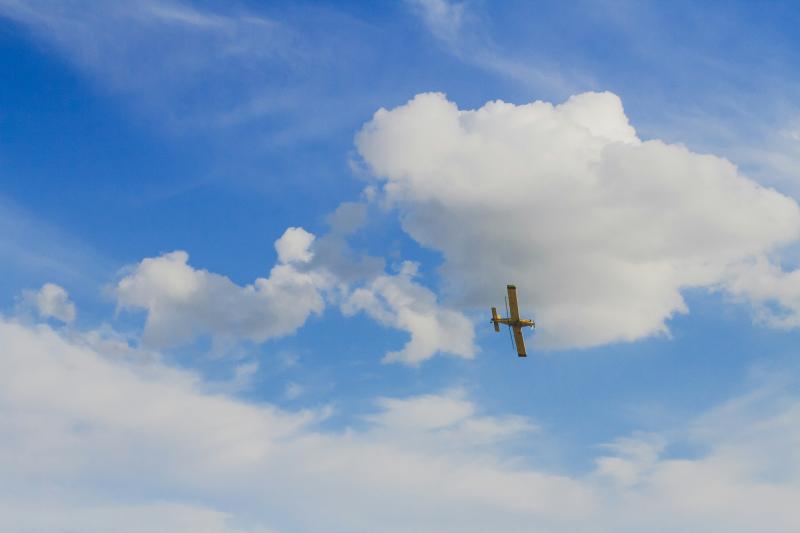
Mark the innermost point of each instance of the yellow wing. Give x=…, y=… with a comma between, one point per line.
x=513, y=308
x=519, y=341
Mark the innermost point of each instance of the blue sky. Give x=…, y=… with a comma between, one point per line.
x=230, y=282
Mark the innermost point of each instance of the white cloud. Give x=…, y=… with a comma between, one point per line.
x=745, y=478
x=423, y=412
x=50, y=301
x=633, y=458
x=79, y=420
x=599, y=230
x=400, y=302
x=775, y=293
x=183, y=303
x=294, y=246
x=156, y=517
x=446, y=421
x=83, y=420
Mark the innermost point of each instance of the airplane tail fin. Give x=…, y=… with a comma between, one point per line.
x=494, y=319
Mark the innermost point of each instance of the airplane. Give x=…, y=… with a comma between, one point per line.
x=514, y=322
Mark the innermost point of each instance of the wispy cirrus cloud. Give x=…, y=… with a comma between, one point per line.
x=462, y=32
x=36, y=251
x=195, y=69
x=166, y=54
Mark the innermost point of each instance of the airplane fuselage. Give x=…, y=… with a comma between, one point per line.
x=521, y=323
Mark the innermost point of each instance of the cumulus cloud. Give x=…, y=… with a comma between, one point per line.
x=600, y=230
x=775, y=293
x=294, y=246
x=83, y=419
x=50, y=301
x=183, y=303
x=400, y=302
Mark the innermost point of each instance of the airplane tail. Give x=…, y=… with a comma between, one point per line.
x=494, y=319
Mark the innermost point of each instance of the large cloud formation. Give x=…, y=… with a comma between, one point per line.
x=600, y=230
x=87, y=412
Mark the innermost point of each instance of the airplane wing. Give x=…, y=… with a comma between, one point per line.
x=512, y=303
x=519, y=341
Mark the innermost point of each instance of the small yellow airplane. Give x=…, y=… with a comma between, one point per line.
x=514, y=322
